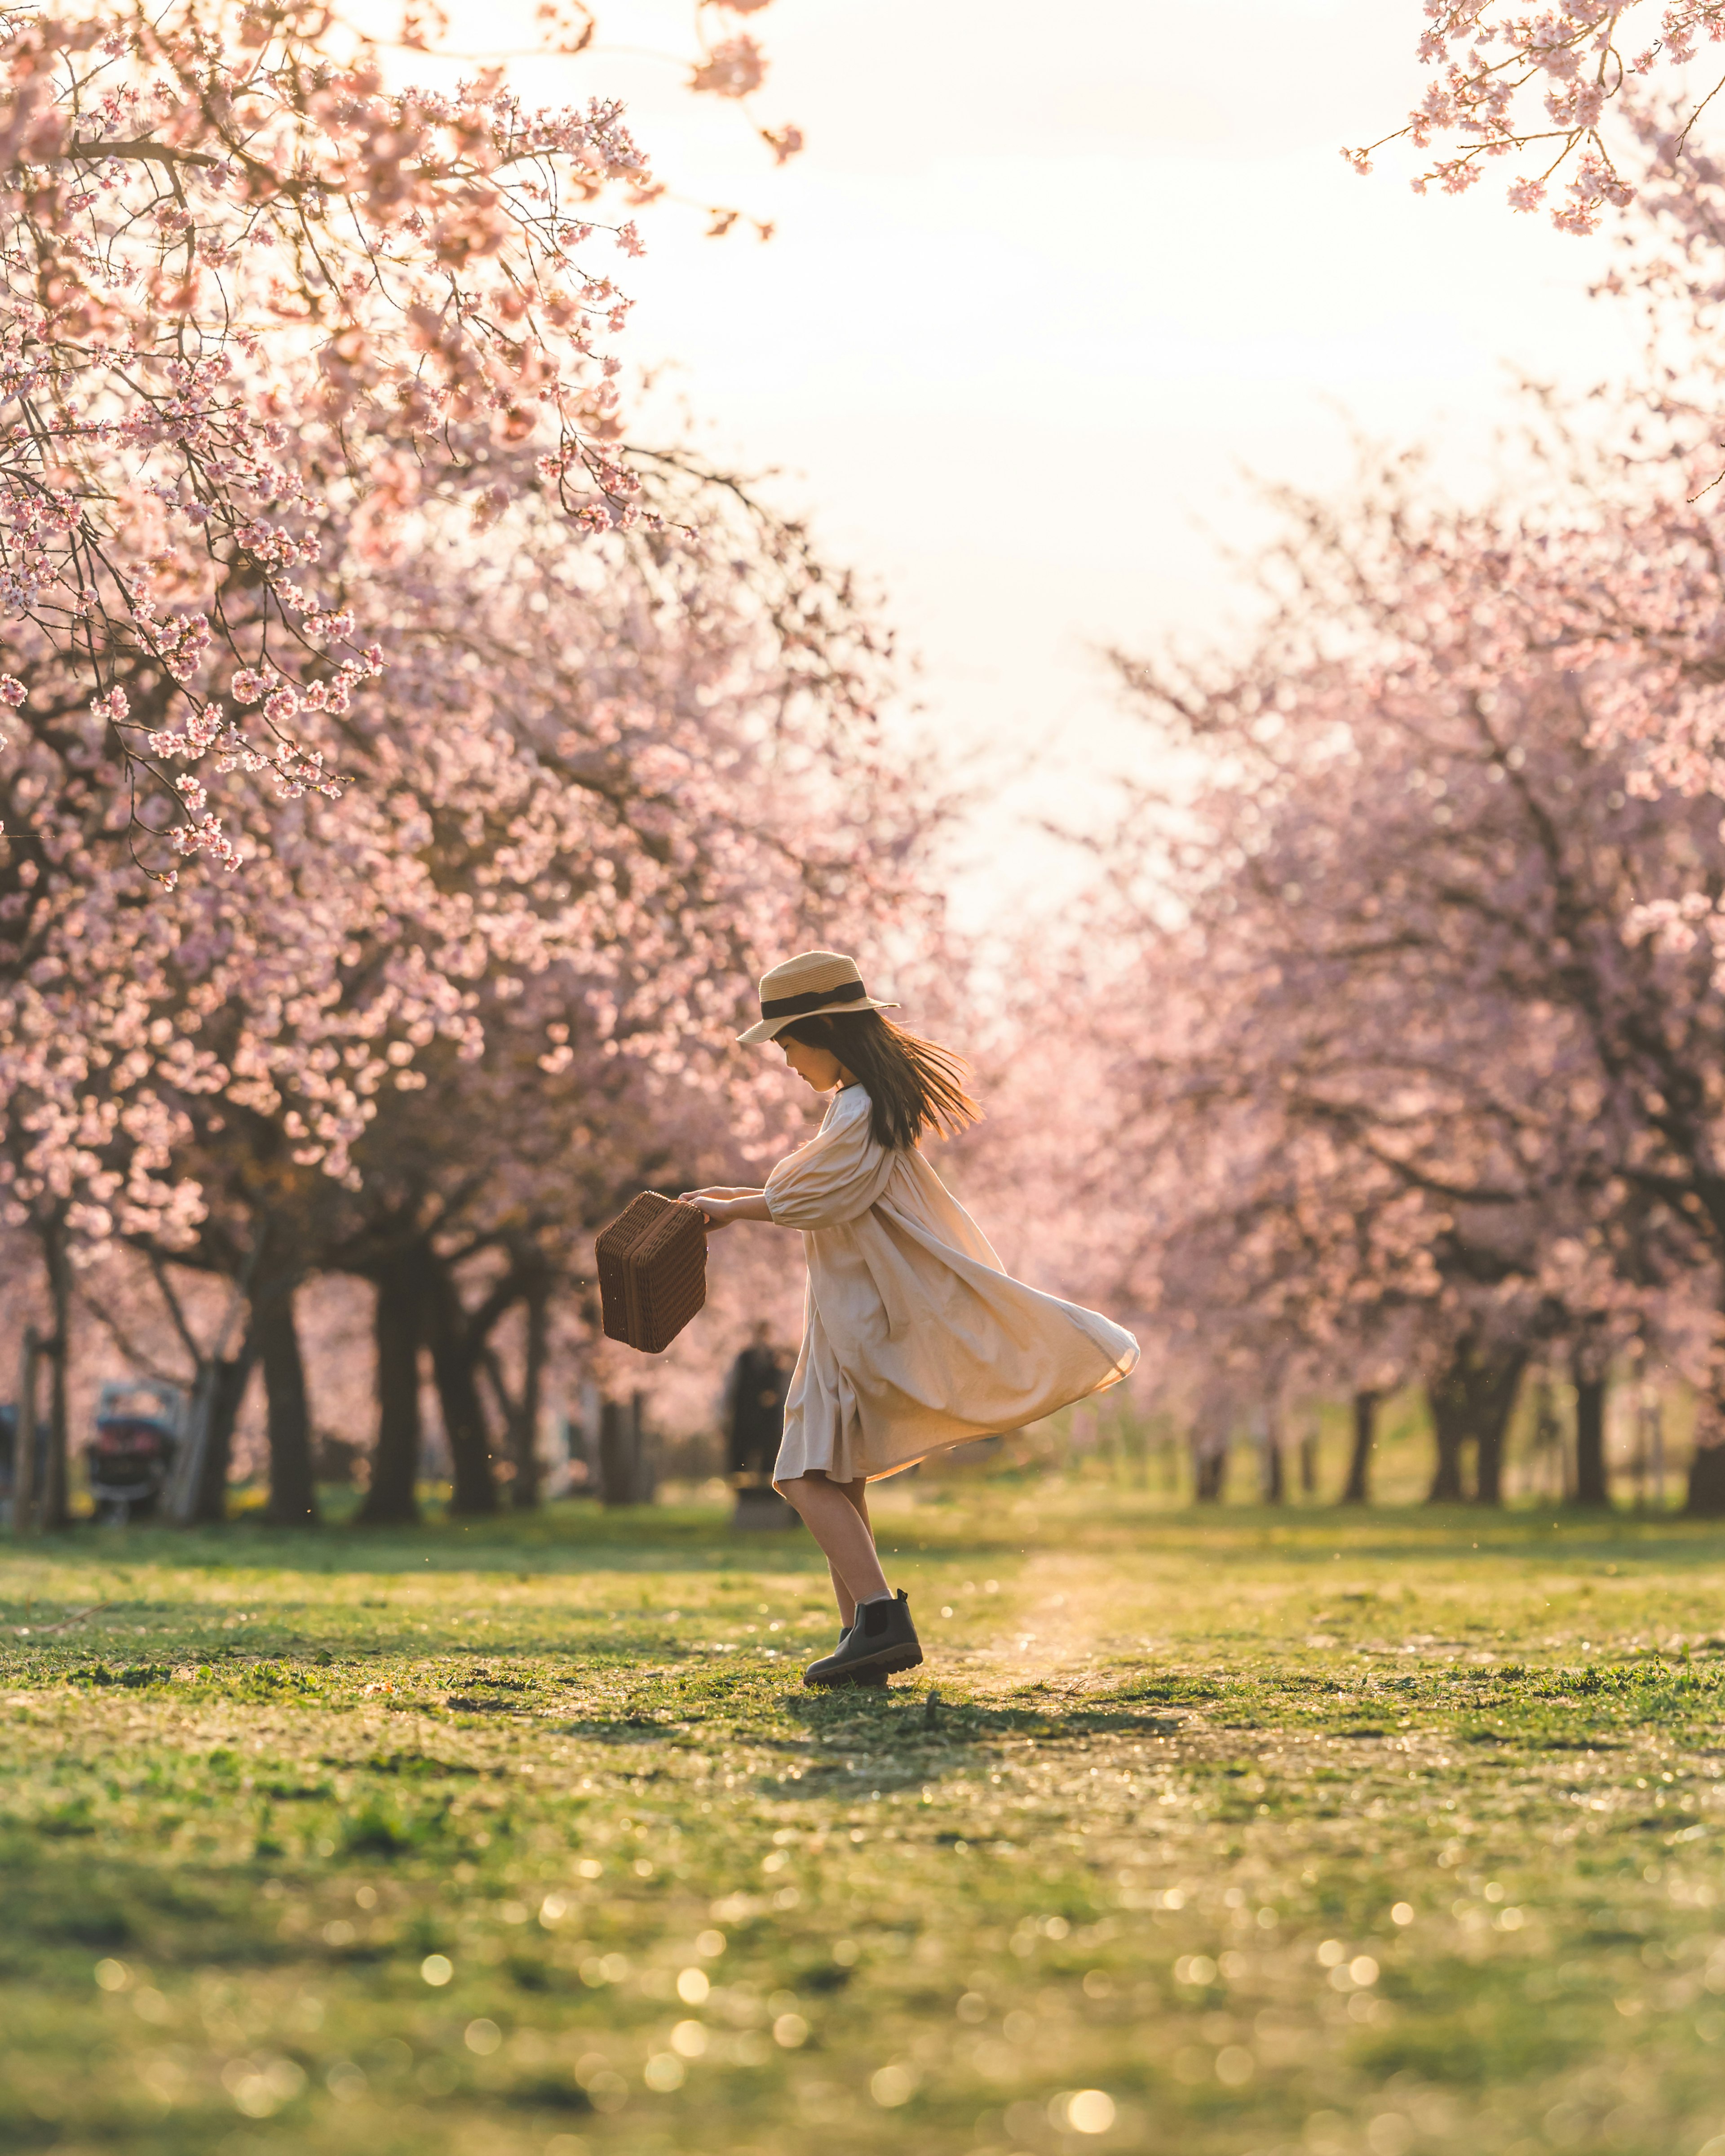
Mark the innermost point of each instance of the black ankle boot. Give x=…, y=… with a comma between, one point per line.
x=877, y=1681
x=881, y=1640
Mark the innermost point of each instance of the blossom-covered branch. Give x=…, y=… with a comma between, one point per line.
x=245, y=286
x=1541, y=87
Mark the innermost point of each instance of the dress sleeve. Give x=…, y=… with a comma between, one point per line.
x=837, y=1175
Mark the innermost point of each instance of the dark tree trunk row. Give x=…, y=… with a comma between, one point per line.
x=419, y=1309
x=1471, y=1402
x=1449, y=1416
x=1357, y=1490
x=1705, y=1500
x=521, y=1411
x=1275, y=1469
x=293, y=1486
x=524, y=1491
x=398, y=1329
x=54, y=1509
x=1591, y=1486
x=623, y=1474
x=455, y=1364
x=1209, y=1458
x=1706, y=1483
x=228, y=1380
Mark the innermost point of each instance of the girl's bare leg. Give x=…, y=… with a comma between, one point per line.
x=858, y=1493
x=837, y=1515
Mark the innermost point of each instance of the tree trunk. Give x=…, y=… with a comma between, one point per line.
x=209, y=1501
x=1705, y=1500
x=1275, y=1471
x=1209, y=1461
x=53, y=1507
x=293, y=1493
x=1308, y=1464
x=1358, y=1491
x=1447, y=1397
x=1498, y=1382
x=1488, y=1460
x=397, y=1323
x=617, y=1454
x=455, y=1366
x=1472, y=1403
x=1591, y=1487
x=24, y=1435
x=524, y=1491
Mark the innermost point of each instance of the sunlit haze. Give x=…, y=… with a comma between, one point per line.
x=1046, y=288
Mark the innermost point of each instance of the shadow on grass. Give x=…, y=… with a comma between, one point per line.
x=890, y=1738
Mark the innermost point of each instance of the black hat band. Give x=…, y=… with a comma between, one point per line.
x=847, y=992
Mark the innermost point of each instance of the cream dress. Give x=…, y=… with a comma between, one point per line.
x=914, y=1338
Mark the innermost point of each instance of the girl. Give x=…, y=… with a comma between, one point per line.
x=914, y=1339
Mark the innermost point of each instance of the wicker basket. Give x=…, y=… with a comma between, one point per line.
x=652, y=1262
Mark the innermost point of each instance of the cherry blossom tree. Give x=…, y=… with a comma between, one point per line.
x=271, y=322
x=249, y=284
x=769, y=814
x=440, y=1029
x=245, y=281
x=1457, y=1034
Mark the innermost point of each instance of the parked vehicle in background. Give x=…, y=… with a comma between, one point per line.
x=140, y=1426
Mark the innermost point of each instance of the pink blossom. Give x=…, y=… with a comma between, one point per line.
x=736, y=67
x=211, y=424
x=1551, y=83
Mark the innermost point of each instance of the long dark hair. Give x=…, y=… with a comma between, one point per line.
x=913, y=1086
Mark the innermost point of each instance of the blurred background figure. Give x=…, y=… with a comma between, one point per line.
x=754, y=1413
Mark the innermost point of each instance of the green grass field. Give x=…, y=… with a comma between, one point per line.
x=1387, y=1834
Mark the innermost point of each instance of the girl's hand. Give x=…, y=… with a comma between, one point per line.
x=721, y=1206
x=715, y=1204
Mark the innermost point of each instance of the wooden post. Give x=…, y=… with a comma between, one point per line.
x=23, y=1443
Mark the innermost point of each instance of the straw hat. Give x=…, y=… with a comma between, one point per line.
x=809, y=986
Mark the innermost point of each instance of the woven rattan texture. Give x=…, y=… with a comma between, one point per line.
x=652, y=1266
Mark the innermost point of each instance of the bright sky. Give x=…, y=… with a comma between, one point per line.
x=1045, y=283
